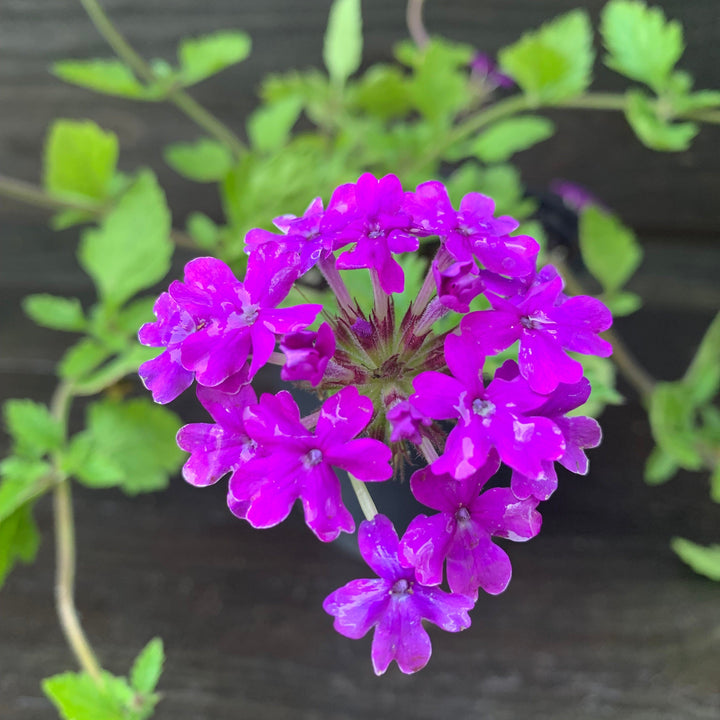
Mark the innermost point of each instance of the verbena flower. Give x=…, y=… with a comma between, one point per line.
x=395, y=604
x=307, y=354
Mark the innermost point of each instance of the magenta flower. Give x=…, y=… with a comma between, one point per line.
x=370, y=214
x=458, y=284
x=301, y=235
x=484, y=67
x=576, y=197
x=307, y=354
x=546, y=326
x=395, y=604
x=498, y=416
x=220, y=448
x=460, y=535
x=406, y=422
x=292, y=462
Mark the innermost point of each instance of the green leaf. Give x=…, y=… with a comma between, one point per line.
x=270, y=125
x=203, y=230
x=654, y=131
x=555, y=62
x=204, y=160
x=641, y=43
x=135, y=314
x=82, y=358
x=659, y=467
x=80, y=159
x=503, y=139
x=23, y=480
x=342, y=48
x=672, y=423
x=125, y=363
x=623, y=303
x=78, y=697
x=58, y=313
x=112, y=77
x=89, y=466
x=136, y=436
x=601, y=374
x=131, y=249
x=34, y=430
x=715, y=484
x=703, y=560
x=19, y=540
x=382, y=91
x=147, y=668
x=207, y=55
x=609, y=249
x=702, y=378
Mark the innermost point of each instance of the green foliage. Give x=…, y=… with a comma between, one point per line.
x=382, y=92
x=703, y=560
x=702, y=378
x=601, y=374
x=555, y=62
x=270, y=125
x=19, y=540
x=611, y=253
x=78, y=697
x=111, y=77
x=34, y=430
x=204, y=160
x=207, y=55
x=147, y=668
x=80, y=159
x=23, y=479
x=342, y=49
x=203, y=231
x=660, y=467
x=82, y=358
x=58, y=313
x=131, y=249
x=641, y=43
x=503, y=139
x=652, y=129
x=129, y=444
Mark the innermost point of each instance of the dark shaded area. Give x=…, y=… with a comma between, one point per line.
x=600, y=621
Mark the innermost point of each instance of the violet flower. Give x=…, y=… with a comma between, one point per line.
x=307, y=354
x=460, y=535
x=498, y=416
x=546, y=326
x=405, y=422
x=483, y=66
x=293, y=463
x=395, y=604
x=457, y=284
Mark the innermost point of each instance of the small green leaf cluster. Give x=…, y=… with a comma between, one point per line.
x=78, y=696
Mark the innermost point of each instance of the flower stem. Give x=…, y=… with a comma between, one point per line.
x=363, y=495
x=34, y=195
x=415, y=24
x=175, y=95
x=65, y=555
x=328, y=268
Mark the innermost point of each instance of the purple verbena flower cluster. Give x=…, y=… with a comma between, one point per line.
x=392, y=388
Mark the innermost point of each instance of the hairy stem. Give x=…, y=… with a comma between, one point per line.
x=363, y=495
x=65, y=555
x=175, y=95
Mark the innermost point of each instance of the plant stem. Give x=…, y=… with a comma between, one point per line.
x=65, y=555
x=363, y=495
x=34, y=195
x=415, y=24
x=175, y=95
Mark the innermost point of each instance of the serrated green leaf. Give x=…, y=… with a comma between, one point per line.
x=82, y=358
x=382, y=92
x=609, y=249
x=555, y=62
x=342, y=47
x=19, y=540
x=125, y=363
x=131, y=249
x=80, y=159
x=204, y=160
x=641, y=43
x=139, y=438
x=112, y=77
x=90, y=467
x=659, y=467
x=652, y=130
x=506, y=137
x=58, y=313
x=702, y=378
x=78, y=697
x=270, y=125
x=704, y=560
x=32, y=427
x=207, y=55
x=672, y=423
x=623, y=303
x=147, y=668
x=23, y=480
x=202, y=230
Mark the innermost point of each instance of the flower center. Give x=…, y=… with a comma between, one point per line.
x=462, y=514
x=401, y=587
x=249, y=314
x=534, y=322
x=483, y=408
x=312, y=458
x=374, y=230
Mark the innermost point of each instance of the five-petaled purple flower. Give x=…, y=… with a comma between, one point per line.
x=395, y=604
